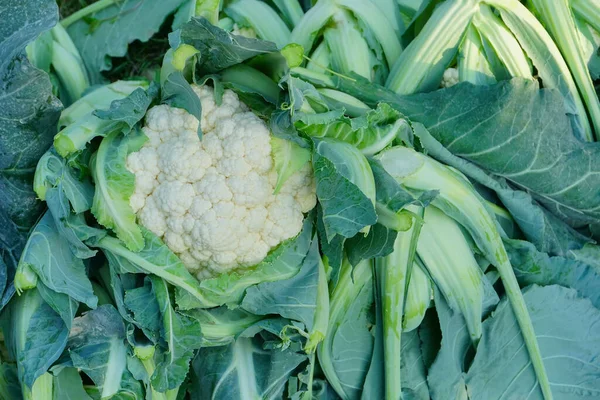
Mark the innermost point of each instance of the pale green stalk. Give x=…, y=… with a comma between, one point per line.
x=320, y=59
x=208, y=9
x=418, y=297
x=71, y=73
x=391, y=272
x=321, y=318
x=419, y=172
x=557, y=17
x=378, y=24
x=291, y=10
x=472, y=64
x=390, y=9
x=546, y=57
x=421, y=65
x=262, y=18
x=503, y=41
x=349, y=50
x=446, y=254
x=86, y=11
x=42, y=388
x=588, y=10
x=351, y=282
x=99, y=99
x=309, y=27
x=335, y=99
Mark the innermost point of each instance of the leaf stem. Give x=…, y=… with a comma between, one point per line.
x=84, y=12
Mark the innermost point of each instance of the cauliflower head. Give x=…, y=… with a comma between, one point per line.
x=212, y=201
x=450, y=78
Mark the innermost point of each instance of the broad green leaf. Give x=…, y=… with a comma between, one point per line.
x=49, y=255
x=349, y=341
x=182, y=335
x=242, y=370
x=446, y=374
x=288, y=158
x=29, y=112
x=370, y=133
x=546, y=231
x=566, y=328
x=345, y=188
x=108, y=32
x=534, y=267
x=35, y=334
x=538, y=150
x=177, y=92
x=71, y=227
x=414, y=373
x=378, y=243
x=61, y=303
x=114, y=186
x=9, y=382
x=97, y=347
x=67, y=385
x=154, y=258
x=218, y=49
x=142, y=303
x=294, y=298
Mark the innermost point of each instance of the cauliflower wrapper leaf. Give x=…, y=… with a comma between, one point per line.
x=212, y=200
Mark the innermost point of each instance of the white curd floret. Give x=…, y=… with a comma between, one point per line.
x=212, y=200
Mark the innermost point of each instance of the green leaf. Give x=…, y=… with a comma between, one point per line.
x=131, y=109
x=332, y=250
x=142, y=303
x=242, y=369
x=107, y=32
x=29, y=112
x=182, y=335
x=547, y=232
x=154, y=258
x=61, y=303
x=566, y=328
x=349, y=341
x=49, y=255
x=9, y=382
x=67, y=385
x=378, y=243
x=446, y=374
x=370, y=133
x=345, y=188
x=218, y=49
x=36, y=335
x=97, y=347
x=294, y=298
x=288, y=158
x=114, y=186
x=538, y=150
x=71, y=227
x=534, y=267
x=177, y=92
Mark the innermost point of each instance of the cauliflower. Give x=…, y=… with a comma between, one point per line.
x=243, y=31
x=450, y=78
x=212, y=201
